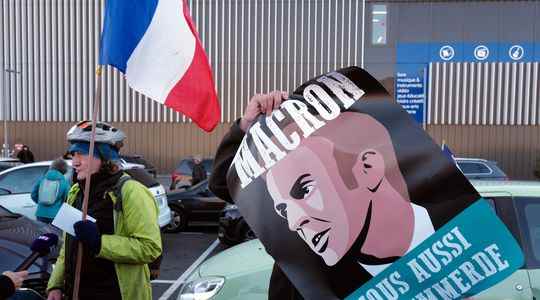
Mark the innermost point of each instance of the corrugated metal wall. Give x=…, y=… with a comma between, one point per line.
x=253, y=46
x=162, y=144
x=515, y=147
x=493, y=93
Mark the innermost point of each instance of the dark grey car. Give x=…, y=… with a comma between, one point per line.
x=477, y=168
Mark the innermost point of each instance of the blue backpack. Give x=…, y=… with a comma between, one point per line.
x=48, y=191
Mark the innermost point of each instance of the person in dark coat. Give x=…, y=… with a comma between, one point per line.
x=280, y=286
x=198, y=173
x=25, y=155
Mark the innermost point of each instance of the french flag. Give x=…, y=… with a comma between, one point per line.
x=155, y=44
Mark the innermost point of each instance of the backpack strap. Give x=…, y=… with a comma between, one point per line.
x=117, y=191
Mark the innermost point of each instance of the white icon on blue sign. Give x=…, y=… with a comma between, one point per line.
x=446, y=52
x=516, y=52
x=481, y=52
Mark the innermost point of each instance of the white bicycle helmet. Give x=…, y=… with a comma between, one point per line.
x=105, y=133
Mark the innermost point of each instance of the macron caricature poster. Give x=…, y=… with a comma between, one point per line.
x=354, y=200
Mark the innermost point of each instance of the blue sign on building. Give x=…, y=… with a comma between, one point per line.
x=413, y=60
x=411, y=89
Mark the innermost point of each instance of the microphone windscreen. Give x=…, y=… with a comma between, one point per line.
x=43, y=243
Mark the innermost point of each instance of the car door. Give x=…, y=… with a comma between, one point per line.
x=516, y=286
x=19, y=183
x=528, y=213
x=206, y=207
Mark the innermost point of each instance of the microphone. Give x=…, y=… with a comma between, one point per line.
x=40, y=247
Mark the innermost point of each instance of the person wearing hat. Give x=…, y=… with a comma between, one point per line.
x=126, y=235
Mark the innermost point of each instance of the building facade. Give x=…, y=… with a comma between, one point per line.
x=469, y=87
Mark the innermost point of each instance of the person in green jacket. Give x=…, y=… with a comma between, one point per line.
x=126, y=236
x=51, y=191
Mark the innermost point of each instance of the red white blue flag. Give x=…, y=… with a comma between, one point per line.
x=155, y=44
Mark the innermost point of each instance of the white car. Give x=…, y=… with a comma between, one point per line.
x=16, y=186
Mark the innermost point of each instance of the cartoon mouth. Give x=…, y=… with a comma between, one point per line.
x=317, y=239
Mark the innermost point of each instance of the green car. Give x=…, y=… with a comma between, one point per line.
x=243, y=272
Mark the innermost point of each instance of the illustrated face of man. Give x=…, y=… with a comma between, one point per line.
x=309, y=193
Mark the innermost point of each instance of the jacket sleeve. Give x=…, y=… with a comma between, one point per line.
x=222, y=161
x=35, y=191
x=56, y=281
x=139, y=242
x=7, y=288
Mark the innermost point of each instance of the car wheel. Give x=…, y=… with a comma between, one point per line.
x=178, y=220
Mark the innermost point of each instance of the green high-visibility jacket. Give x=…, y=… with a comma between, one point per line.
x=135, y=243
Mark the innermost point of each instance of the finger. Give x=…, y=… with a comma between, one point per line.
x=276, y=101
x=270, y=103
x=281, y=95
x=263, y=104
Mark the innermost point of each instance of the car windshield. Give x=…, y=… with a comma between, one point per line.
x=474, y=168
x=185, y=167
x=22, y=180
x=528, y=212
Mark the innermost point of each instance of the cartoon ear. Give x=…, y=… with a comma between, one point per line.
x=369, y=169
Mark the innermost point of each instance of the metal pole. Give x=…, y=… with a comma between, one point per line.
x=4, y=101
x=97, y=104
x=363, y=31
x=5, y=146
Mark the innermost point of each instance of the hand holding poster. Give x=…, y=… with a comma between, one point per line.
x=350, y=196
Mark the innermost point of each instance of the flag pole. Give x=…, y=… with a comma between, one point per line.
x=97, y=103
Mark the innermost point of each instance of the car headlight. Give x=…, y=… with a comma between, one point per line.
x=202, y=288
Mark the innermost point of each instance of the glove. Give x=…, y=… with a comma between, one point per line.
x=88, y=233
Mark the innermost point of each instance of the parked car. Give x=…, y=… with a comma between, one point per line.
x=477, y=168
x=6, y=163
x=233, y=229
x=243, y=272
x=182, y=172
x=138, y=159
x=16, y=186
x=17, y=233
x=193, y=205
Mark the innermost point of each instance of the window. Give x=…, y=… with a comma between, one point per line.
x=474, y=168
x=379, y=24
x=529, y=223
x=22, y=180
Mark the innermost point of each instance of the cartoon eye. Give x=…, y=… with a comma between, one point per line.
x=301, y=189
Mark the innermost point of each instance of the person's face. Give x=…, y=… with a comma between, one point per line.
x=309, y=193
x=85, y=165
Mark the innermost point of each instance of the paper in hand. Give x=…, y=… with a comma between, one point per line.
x=67, y=216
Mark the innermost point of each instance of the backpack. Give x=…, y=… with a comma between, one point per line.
x=48, y=191
x=117, y=191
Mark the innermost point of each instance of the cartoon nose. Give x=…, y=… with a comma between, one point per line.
x=297, y=219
